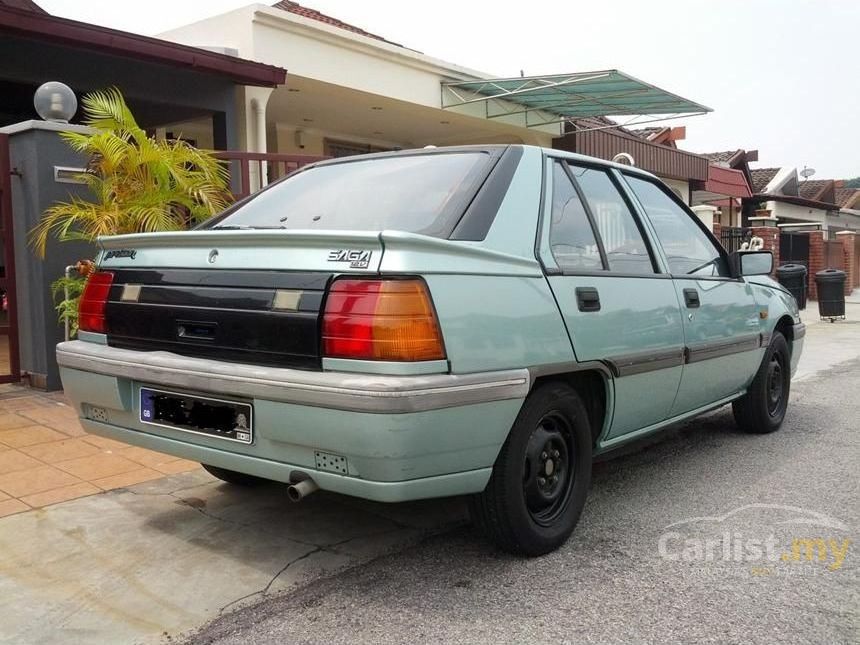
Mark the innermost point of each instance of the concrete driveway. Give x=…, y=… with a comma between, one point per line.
x=163, y=557
x=166, y=556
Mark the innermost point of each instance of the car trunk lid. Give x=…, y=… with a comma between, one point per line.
x=248, y=296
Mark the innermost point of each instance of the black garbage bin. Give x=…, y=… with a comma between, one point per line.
x=831, y=293
x=793, y=278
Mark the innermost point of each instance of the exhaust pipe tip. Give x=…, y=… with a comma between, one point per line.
x=298, y=491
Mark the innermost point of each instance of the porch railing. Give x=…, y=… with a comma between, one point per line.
x=250, y=171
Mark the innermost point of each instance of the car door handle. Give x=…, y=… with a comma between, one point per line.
x=691, y=298
x=587, y=299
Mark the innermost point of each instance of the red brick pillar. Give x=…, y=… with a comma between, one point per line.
x=816, y=260
x=849, y=250
x=770, y=237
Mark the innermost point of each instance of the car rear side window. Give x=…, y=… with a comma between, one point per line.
x=571, y=237
x=688, y=249
x=623, y=242
x=423, y=193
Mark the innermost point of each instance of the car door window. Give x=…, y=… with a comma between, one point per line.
x=688, y=249
x=571, y=237
x=623, y=242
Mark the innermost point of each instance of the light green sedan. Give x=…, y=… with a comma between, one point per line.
x=475, y=321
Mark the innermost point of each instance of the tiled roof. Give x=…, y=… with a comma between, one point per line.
x=647, y=133
x=599, y=122
x=28, y=5
x=313, y=14
x=848, y=197
x=721, y=157
x=761, y=178
x=812, y=188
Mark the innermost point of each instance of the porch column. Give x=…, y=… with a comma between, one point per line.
x=816, y=260
x=705, y=212
x=255, y=101
x=849, y=250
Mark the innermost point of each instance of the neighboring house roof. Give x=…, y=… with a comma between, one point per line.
x=26, y=5
x=813, y=188
x=848, y=198
x=313, y=14
x=648, y=133
x=761, y=177
x=27, y=23
x=726, y=156
x=727, y=181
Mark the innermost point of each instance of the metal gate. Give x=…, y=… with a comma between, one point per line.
x=794, y=248
x=733, y=237
x=10, y=368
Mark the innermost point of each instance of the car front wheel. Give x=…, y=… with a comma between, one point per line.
x=540, y=480
x=762, y=409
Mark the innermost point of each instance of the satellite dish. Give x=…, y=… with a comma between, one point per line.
x=806, y=173
x=624, y=159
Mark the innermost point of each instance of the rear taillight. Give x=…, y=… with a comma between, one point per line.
x=383, y=320
x=91, y=310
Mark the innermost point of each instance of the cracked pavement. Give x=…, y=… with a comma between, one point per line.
x=161, y=558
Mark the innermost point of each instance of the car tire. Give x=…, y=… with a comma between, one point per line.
x=540, y=480
x=232, y=477
x=762, y=409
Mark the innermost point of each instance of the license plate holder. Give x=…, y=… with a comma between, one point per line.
x=202, y=415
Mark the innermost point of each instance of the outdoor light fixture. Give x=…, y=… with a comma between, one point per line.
x=55, y=102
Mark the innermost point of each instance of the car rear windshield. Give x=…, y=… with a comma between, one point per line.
x=424, y=193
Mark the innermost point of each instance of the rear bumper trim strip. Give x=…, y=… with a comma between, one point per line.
x=339, y=390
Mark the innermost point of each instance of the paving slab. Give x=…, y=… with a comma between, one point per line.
x=165, y=556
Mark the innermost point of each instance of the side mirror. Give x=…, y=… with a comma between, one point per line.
x=748, y=263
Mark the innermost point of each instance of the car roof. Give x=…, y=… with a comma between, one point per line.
x=495, y=149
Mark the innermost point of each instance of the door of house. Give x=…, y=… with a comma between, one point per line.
x=10, y=370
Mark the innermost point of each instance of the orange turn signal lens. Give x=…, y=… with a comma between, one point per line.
x=382, y=320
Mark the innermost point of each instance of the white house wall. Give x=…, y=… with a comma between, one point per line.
x=681, y=188
x=231, y=30
x=795, y=213
x=315, y=51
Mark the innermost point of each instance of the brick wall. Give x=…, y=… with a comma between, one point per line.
x=717, y=230
x=816, y=260
x=849, y=250
x=770, y=237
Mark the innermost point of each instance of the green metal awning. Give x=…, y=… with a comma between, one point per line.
x=560, y=97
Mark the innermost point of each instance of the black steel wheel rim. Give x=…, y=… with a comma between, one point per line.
x=549, y=468
x=777, y=377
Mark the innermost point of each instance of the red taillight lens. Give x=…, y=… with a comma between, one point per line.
x=383, y=320
x=91, y=310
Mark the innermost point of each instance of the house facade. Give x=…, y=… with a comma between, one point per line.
x=795, y=202
x=163, y=82
x=350, y=91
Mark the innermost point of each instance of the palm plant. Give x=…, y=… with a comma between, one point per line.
x=140, y=183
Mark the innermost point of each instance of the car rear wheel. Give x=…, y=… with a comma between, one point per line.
x=762, y=409
x=232, y=477
x=540, y=480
